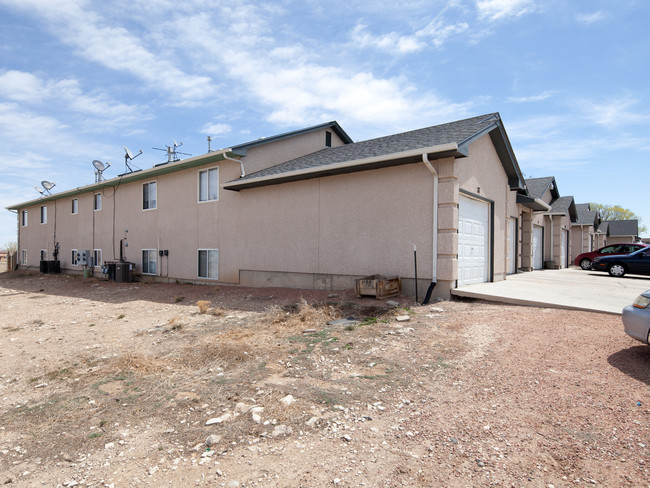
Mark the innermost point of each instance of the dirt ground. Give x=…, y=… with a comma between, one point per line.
x=133, y=384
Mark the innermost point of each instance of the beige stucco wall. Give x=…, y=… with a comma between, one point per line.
x=582, y=240
x=325, y=230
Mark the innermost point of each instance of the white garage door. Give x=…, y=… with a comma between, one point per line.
x=563, y=248
x=512, y=246
x=538, y=258
x=473, y=225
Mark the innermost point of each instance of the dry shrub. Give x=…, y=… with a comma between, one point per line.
x=138, y=364
x=217, y=312
x=203, y=305
x=225, y=353
x=303, y=315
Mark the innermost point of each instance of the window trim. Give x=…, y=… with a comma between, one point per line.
x=198, y=264
x=43, y=214
x=97, y=199
x=74, y=210
x=43, y=255
x=146, y=183
x=24, y=220
x=96, y=262
x=74, y=257
x=198, y=189
x=155, y=253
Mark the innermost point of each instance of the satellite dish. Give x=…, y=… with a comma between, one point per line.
x=47, y=185
x=39, y=190
x=129, y=154
x=128, y=157
x=99, y=169
x=99, y=166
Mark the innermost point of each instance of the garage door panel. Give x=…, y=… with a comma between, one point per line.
x=472, y=241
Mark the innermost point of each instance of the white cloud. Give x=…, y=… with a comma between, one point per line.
x=391, y=42
x=438, y=32
x=614, y=112
x=503, y=9
x=216, y=129
x=532, y=98
x=591, y=18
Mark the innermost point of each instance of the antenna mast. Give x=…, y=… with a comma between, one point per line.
x=172, y=153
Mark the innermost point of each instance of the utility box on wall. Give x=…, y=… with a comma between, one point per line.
x=84, y=258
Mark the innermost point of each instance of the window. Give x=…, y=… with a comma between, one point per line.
x=209, y=263
x=23, y=257
x=97, y=201
x=74, y=257
x=43, y=214
x=97, y=258
x=209, y=185
x=149, y=261
x=328, y=138
x=75, y=206
x=43, y=254
x=23, y=218
x=149, y=195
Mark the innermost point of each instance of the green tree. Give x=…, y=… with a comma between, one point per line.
x=616, y=212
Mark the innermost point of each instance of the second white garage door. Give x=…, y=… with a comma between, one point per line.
x=473, y=244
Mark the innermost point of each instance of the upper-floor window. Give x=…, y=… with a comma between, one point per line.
x=149, y=195
x=97, y=201
x=209, y=184
x=43, y=214
x=23, y=218
x=75, y=206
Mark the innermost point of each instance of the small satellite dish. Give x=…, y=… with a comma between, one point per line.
x=129, y=157
x=47, y=185
x=99, y=169
x=129, y=154
x=99, y=166
x=39, y=190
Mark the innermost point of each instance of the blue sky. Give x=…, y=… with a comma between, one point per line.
x=80, y=79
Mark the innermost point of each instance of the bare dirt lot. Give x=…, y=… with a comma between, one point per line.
x=130, y=384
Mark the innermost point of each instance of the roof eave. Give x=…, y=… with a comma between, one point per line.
x=365, y=164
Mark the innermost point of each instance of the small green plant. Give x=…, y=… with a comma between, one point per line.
x=120, y=316
x=347, y=346
x=91, y=325
x=94, y=435
x=369, y=321
x=349, y=328
x=179, y=299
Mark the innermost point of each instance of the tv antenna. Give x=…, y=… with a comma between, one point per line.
x=128, y=156
x=99, y=169
x=172, y=153
x=47, y=186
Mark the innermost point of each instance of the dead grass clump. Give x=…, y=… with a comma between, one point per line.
x=225, y=354
x=203, y=305
x=139, y=364
x=303, y=315
x=217, y=312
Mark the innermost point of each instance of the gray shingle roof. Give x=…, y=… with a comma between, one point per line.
x=565, y=205
x=586, y=216
x=538, y=186
x=623, y=228
x=461, y=132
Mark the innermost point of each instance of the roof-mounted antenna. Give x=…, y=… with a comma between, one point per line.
x=99, y=169
x=209, y=144
x=128, y=156
x=47, y=186
x=172, y=153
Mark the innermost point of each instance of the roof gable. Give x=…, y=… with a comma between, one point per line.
x=444, y=140
x=623, y=228
x=586, y=216
x=564, y=206
x=537, y=187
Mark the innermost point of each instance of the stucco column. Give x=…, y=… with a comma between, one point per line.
x=526, y=240
x=448, y=191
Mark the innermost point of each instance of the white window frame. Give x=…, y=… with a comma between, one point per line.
x=208, y=273
x=43, y=214
x=146, y=195
x=74, y=257
x=97, y=253
x=43, y=254
x=23, y=256
x=149, y=261
x=97, y=202
x=75, y=206
x=207, y=196
x=23, y=218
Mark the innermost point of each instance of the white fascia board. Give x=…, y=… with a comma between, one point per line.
x=350, y=164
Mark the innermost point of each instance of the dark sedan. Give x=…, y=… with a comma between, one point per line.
x=635, y=263
x=584, y=260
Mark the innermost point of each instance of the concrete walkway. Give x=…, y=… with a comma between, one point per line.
x=570, y=288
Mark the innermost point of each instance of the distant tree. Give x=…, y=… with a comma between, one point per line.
x=11, y=247
x=616, y=212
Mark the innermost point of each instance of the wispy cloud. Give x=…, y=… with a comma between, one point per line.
x=614, y=112
x=391, y=42
x=532, y=98
x=503, y=9
x=216, y=129
x=591, y=18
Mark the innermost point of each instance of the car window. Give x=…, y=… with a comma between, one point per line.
x=631, y=248
x=608, y=249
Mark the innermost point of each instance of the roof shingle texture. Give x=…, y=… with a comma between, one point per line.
x=458, y=132
x=538, y=186
x=623, y=228
x=561, y=204
x=585, y=215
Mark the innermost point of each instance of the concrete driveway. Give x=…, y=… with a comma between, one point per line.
x=571, y=288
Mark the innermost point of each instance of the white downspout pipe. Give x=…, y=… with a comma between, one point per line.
x=427, y=163
x=241, y=163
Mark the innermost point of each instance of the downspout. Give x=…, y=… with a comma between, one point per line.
x=241, y=164
x=434, y=271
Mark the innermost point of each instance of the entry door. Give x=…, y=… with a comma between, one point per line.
x=563, y=248
x=538, y=254
x=511, y=246
x=473, y=225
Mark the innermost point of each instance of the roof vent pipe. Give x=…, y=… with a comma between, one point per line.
x=434, y=271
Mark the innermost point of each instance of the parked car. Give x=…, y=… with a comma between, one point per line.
x=636, y=318
x=584, y=260
x=637, y=262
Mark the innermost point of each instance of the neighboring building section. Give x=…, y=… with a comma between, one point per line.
x=583, y=230
x=618, y=231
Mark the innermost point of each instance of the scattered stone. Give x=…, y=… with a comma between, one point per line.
x=242, y=407
x=333, y=295
x=309, y=331
x=287, y=400
x=392, y=303
x=256, y=418
x=436, y=310
x=346, y=438
x=281, y=430
x=212, y=440
x=207, y=454
x=403, y=318
x=152, y=471
x=109, y=445
x=312, y=421
x=344, y=322
x=41, y=385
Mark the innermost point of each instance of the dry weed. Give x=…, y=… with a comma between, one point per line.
x=203, y=305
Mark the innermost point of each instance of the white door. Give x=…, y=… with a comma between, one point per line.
x=473, y=224
x=563, y=248
x=511, y=247
x=538, y=236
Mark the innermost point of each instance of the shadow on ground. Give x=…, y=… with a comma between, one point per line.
x=634, y=362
